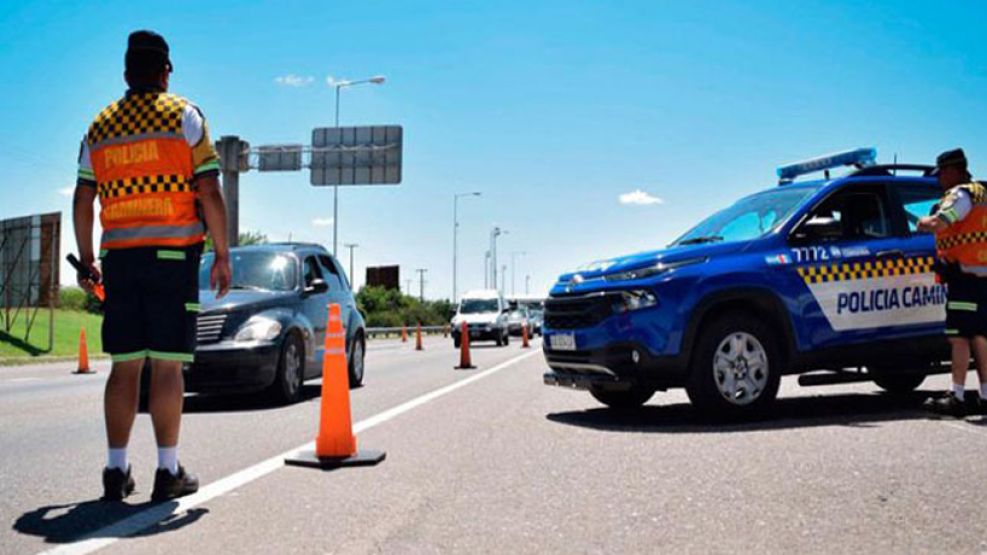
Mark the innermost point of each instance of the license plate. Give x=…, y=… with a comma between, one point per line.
x=562, y=342
x=474, y=334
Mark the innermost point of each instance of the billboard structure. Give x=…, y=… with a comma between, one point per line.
x=384, y=276
x=29, y=262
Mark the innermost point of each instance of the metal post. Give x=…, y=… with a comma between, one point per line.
x=455, y=233
x=335, y=192
x=421, y=283
x=229, y=152
x=527, y=284
x=351, y=246
x=503, y=278
x=486, y=269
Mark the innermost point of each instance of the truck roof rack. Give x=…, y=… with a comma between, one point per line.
x=888, y=170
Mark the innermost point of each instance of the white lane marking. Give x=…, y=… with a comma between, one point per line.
x=147, y=518
x=21, y=380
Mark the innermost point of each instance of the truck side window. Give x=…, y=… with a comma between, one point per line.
x=311, y=270
x=334, y=279
x=861, y=214
x=918, y=202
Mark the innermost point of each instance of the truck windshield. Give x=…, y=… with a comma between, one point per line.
x=269, y=271
x=749, y=218
x=476, y=306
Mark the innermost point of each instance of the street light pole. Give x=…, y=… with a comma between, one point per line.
x=455, y=233
x=527, y=284
x=486, y=270
x=496, y=232
x=375, y=80
x=351, y=246
x=421, y=283
x=503, y=278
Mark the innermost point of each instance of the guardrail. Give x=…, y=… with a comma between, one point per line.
x=388, y=332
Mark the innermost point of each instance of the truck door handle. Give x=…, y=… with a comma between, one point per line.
x=894, y=253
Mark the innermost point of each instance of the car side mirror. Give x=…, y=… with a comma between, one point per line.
x=316, y=286
x=819, y=228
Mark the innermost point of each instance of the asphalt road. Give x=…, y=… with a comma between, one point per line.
x=490, y=460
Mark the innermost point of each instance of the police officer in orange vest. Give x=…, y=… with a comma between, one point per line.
x=149, y=159
x=960, y=225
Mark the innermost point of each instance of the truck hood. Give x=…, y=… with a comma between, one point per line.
x=479, y=318
x=244, y=299
x=671, y=255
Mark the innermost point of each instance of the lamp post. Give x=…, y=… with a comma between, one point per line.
x=351, y=246
x=527, y=284
x=421, y=283
x=503, y=278
x=338, y=85
x=455, y=234
x=486, y=270
x=494, y=233
x=514, y=269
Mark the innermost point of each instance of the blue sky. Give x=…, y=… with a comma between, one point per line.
x=552, y=109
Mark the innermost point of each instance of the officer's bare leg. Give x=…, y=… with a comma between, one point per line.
x=167, y=390
x=980, y=353
x=120, y=401
x=961, y=359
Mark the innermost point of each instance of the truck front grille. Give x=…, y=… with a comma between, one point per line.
x=577, y=312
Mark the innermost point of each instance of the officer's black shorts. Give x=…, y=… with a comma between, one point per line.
x=966, y=306
x=152, y=301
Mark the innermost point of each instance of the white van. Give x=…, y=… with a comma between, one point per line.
x=485, y=312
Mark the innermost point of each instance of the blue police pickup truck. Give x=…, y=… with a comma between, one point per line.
x=828, y=278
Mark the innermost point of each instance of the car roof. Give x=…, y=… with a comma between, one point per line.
x=481, y=294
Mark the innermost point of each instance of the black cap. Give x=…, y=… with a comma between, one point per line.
x=147, y=50
x=955, y=157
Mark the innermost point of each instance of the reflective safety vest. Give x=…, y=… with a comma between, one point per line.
x=965, y=241
x=143, y=168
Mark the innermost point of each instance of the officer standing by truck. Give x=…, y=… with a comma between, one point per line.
x=149, y=159
x=960, y=226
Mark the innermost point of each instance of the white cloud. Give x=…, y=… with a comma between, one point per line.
x=322, y=222
x=292, y=80
x=66, y=191
x=640, y=198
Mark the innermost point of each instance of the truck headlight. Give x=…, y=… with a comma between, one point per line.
x=654, y=270
x=637, y=299
x=258, y=329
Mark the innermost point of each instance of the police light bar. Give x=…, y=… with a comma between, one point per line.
x=860, y=158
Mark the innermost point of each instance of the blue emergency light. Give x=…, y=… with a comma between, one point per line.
x=860, y=158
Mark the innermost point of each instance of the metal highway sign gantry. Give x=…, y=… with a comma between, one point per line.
x=367, y=155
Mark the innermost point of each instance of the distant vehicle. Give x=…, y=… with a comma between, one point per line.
x=516, y=318
x=536, y=318
x=817, y=275
x=485, y=313
x=269, y=331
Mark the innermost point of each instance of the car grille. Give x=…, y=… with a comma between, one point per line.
x=577, y=312
x=210, y=328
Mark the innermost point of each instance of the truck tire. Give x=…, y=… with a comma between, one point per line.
x=898, y=384
x=736, y=366
x=624, y=400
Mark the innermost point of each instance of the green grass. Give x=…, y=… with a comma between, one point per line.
x=13, y=347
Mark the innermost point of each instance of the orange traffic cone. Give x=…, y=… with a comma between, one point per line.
x=524, y=336
x=404, y=333
x=418, y=338
x=83, y=355
x=335, y=446
x=464, y=349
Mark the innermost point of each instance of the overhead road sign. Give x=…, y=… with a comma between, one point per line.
x=279, y=158
x=365, y=155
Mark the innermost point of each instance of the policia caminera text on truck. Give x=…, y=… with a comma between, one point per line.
x=826, y=275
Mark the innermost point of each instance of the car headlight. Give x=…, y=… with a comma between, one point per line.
x=656, y=269
x=258, y=329
x=637, y=299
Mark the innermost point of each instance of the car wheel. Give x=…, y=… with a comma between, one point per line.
x=623, y=400
x=899, y=384
x=355, y=363
x=287, y=386
x=736, y=367
x=507, y=338
x=499, y=340
x=457, y=342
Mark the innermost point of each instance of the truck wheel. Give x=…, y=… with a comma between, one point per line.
x=355, y=363
x=899, y=384
x=507, y=338
x=287, y=386
x=736, y=366
x=500, y=340
x=623, y=400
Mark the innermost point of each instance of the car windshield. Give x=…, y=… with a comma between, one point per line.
x=476, y=306
x=749, y=218
x=517, y=314
x=268, y=271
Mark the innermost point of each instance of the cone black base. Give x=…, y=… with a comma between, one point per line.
x=361, y=458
